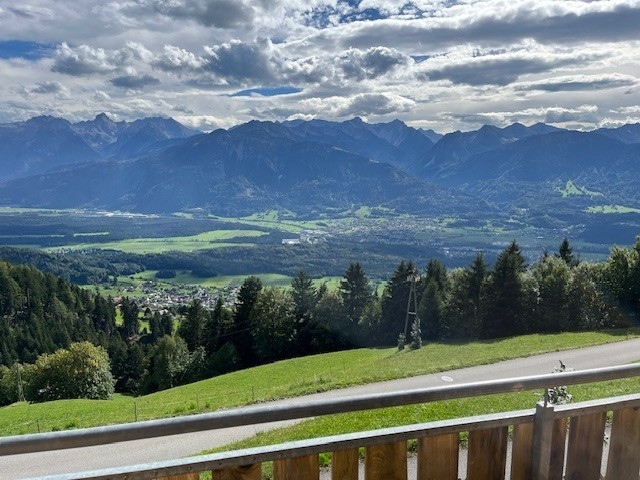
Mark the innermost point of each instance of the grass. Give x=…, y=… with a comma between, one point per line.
x=282, y=221
x=443, y=410
x=612, y=209
x=271, y=279
x=571, y=189
x=289, y=378
x=202, y=241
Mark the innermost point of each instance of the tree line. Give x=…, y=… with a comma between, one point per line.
x=40, y=313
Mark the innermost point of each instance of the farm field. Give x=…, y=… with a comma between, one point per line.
x=289, y=378
x=612, y=209
x=202, y=241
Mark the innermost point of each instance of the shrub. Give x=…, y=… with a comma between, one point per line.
x=82, y=371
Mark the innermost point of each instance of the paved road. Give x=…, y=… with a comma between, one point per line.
x=157, y=449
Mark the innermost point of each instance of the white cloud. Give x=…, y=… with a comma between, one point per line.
x=382, y=58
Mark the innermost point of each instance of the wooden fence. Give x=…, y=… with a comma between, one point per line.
x=572, y=439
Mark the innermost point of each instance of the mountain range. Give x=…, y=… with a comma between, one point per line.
x=311, y=167
x=45, y=143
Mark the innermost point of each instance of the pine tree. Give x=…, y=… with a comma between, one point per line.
x=432, y=310
x=303, y=294
x=131, y=322
x=505, y=314
x=240, y=332
x=193, y=325
x=355, y=291
x=475, y=285
x=394, y=303
x=565, y=252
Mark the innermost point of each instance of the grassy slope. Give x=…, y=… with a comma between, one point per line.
x=390, y=417
x=288, y=378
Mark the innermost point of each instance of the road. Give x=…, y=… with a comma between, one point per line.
x=157, y=449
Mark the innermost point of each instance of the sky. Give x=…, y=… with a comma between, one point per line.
x=438, y=64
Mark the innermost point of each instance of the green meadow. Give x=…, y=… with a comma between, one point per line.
x=202, y=241
x=289, y=378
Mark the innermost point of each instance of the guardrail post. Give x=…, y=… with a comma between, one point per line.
x=542, y=440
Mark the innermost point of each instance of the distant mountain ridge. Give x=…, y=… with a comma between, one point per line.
x=311, y=167
x=393, y=142
x=248, y=168
x=45, y=143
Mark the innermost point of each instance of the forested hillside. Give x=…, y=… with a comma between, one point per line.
x=41, y=313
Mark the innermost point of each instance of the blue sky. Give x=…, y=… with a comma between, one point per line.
x=438, y=64
x=25, y=49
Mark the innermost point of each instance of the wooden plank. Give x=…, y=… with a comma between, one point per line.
x=298, y=468
x=586, y=441
x=521, y=456
x=438, y=457
x=386, y=462
x=246, y=472
x=624, y=448
x=558, y=445
x=344, y=464
x=487, y=453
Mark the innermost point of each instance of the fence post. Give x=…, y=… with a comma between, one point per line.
x=542, y=440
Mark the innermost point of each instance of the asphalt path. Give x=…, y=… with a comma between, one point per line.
x=165, y=448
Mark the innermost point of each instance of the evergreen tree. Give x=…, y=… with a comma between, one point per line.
x=355, y=292
x=432, y=310
x=193, y=325
x=131, y=321
x=475, y=283
x=303, y=294
x=553, y=279
x=217, y=324
x=565, y=252
x=506, y=309
x=394, y=304
x=304, y=297
x=240, y=334
x=273, y=324
x=436, y=272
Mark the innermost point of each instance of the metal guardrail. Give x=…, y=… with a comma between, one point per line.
x=264, y=414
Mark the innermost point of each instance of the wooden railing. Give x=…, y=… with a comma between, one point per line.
x=548, y=442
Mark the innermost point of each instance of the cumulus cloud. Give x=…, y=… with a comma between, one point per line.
x=582, y=114
x=210, y=13
x=83, y=60
x=501, y=68
x=414, y=58
x=580, y=82
x=176, y=59
x=497, y=22
x=48, y=87
x=371, y=63
x=240, y=62
x=134, y=82
x=627, y=110
x=339, y=107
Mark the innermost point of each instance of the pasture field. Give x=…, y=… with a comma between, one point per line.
x=612, y=209
x=270, y=279
x=290, y=378
x=201, y=241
